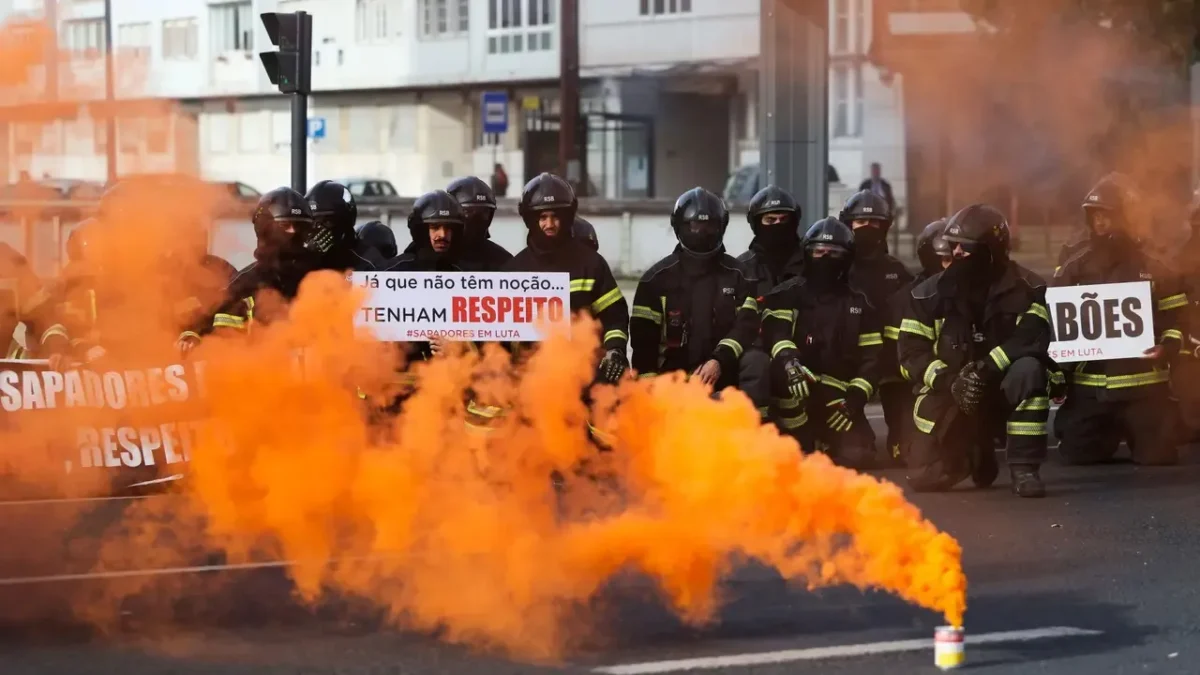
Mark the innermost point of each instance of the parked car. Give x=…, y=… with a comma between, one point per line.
x=369, y=188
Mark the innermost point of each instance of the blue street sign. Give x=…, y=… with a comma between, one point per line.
x=316, y=127
x=495, y=112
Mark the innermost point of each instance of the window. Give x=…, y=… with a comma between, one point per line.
x=516, y=26
x=232, y=27
x=84, y=36
x=661, y=7
x=180, y=39
x=376, y=20
x=845, y=100
x=442, y=17
x=133, y=39
x=846, y=24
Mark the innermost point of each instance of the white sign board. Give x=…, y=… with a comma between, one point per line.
x=469, y=306
x=1101, y=322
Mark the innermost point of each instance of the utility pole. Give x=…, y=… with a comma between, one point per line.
x=110, y=119
x=290, y=69
x=568, y=95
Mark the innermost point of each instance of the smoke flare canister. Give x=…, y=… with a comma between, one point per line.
x=948, y=647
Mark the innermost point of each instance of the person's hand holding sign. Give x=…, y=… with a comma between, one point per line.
x=708, y=373
x=437, y=344
x=1155, y=353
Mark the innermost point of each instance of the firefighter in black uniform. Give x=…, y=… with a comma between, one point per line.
x=374, y=234
x=586, y=233
x=825, y=340
x=880, y=276
x=935, y=254
x=976, y=337
x=477, y=251
x=333, y=237
x=1108, y=401
x=25, y=299
x=774, y=253
x=290, y=245
x=694, y=310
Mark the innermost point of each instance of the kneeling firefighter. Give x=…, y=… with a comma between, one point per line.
x=695, y=309
x=825, y=339
x=976, y=336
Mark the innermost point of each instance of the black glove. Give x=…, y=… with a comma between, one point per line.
x=612, y=366
x=840, y=417
x=968, y=389
x=798, y=379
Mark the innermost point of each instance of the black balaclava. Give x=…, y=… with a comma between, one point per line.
x=870, y=241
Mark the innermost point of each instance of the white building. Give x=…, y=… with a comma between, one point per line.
x=670, y=91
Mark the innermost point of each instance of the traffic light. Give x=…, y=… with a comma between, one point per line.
x=290, y=68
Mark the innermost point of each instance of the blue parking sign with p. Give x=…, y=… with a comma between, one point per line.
x=495, y=112
x=316, y=127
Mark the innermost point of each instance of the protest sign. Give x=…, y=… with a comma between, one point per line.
x=470, y=306
x=1101, y=322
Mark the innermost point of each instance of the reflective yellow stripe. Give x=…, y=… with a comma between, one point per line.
x=1119, y=381
x=1172, y=302
x=917, y=328
x=869, y=339
x=1034, y=403
x=481, y=410
x=607, y=300
x=1039, y=310
x=904, y=373
x=931, y=371
x=1026, y=428
x=750, y=304
x=1172, y=334
x=229, y=321
x=923, y=425
x=864, y=385
x=189, y=334
x=1058, y=377
x=794, y=422
x=615, y=335
x=582, y=285
x=57, y=330
x=784, y=314
x=643, y=312
x=833, y=382
x=732, y=344
x=782, y=345
x=891, y=332
x=1000, y=358
x=641, y=375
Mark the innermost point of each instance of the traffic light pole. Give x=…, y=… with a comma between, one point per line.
x=300, y=143
x=290, y=69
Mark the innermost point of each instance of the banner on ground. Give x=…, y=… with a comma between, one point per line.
x=463, y=306
x=1101, y=322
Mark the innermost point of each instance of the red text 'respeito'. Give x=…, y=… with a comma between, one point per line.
x=504, y=309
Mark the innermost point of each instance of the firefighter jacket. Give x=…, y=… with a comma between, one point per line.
x=838, y=335
x=882, y=278
x=24, y=299
x=768, y=268
x=484, y=256
x=1124, y=379
x=688, y=310
x=420, y=259
x=593, y=288
x=937, y=338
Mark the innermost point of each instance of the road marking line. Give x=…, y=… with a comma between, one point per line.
x=821, y=653
x=71, y=500
x=194, y=569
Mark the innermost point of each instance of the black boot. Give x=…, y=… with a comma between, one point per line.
x=1026, y=482
x=984, y=468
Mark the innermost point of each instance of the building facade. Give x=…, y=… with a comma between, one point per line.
x=670, y=91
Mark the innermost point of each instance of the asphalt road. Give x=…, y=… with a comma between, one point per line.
x=1104, y=566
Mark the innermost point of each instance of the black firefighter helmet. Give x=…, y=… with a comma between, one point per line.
x=866, y=205
x=283, y=223
x=435, y=207
x=81, y=241
x=334, y=215
x=584, y=232
x=932, y=246
x=1115, y=196
x=379, y=237
x=772, y=199
x=828, y=246
x=699, y=219
x=547, y=192
x=479, y=206
x=980, y=230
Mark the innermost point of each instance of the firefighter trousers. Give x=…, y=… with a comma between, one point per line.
x=941, y=444
x=753, y=378
x=808, y=422
x=897, y=399
x=1090, y=429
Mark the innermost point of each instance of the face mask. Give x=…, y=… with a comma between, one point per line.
x=824, y=273
x=870, y=240
x=700, y=238
x=476, y=230
x=964, y=275
x=779, y=237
